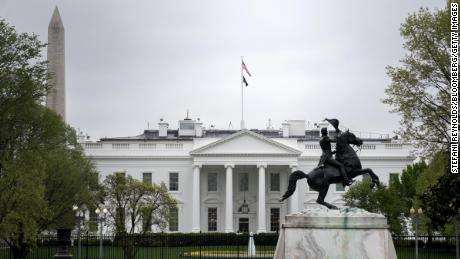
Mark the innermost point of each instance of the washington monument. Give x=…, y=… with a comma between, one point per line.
x=55, y=100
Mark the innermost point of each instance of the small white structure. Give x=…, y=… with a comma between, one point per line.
x=251, y=245
x=212, y=173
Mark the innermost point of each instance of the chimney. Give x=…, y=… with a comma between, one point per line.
x=285, y=127
x=162, y=128
x=198, y=128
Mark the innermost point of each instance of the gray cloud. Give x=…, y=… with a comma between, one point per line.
x=132, y=62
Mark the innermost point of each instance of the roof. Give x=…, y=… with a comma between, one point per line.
x=268, y=142
x=173, y=135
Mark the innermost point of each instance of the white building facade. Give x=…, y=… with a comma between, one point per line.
x=231, y=180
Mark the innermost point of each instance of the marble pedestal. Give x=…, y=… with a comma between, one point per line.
x=346, y=234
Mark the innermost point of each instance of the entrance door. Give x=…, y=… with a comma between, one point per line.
x=243, y=225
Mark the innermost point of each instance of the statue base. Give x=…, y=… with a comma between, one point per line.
x=346, y=233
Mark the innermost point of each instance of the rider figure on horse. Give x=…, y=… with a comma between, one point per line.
x=326, y=157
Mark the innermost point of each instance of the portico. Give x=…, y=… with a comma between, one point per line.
x=231, y=164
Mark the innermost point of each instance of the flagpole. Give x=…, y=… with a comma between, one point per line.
x=241, y=79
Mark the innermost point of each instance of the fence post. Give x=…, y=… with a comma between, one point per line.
x=49, y=245
x=87, y=243
x=238, y=250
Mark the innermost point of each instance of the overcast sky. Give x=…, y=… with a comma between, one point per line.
x=129, y=63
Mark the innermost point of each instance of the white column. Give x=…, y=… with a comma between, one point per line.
x=229, y=199
x=294, y=199
x=196, y=199
x=261, y=213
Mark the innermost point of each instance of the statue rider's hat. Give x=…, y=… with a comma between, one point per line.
x=333, y=122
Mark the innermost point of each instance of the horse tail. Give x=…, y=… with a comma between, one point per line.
x=293, y=178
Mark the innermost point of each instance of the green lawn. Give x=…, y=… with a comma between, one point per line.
x=175, y=252
x=150, y=252
x=409, y=253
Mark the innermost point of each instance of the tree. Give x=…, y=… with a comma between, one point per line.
x=43, y=170
x=419, y=89
x=135, y=207
x=420, y=93
x=406, y=187
x=437, y=191
x=379, y=200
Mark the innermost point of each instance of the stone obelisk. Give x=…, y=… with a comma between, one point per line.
x=55, y=100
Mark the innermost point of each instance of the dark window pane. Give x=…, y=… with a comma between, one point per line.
x=212, y=182
x=147, y=178
x=339, y=187
x=187, y=126
x=394, y=178
x=243, y=184
x=275, y=182
x=274, y=219
x=173, y=219
x=366, y=177
x=121, y=173
x=212, y=219
x=173, y=181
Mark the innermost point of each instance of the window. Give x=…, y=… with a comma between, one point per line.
x=173, y=181
x=274, y=219
x=186, y=125
x=212, y=182
x=120, y=215
x=147, y=178
x=93, y=224
x=394, y=178
x=243, y=184
x=243, y=225
x=275, y=182
x=121, y=173
x=173, y=219
x=366, y=177
x=212, y=219
x=96, y=177
x=339, y=187
x=146, y=217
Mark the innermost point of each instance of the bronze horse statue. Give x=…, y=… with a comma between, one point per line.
x=321, y=177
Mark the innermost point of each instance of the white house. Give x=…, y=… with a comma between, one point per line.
x=216, y=174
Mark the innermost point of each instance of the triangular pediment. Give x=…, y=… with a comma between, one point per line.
x=245, y=142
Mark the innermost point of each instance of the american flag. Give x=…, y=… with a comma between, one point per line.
x=245, y=68
x=244, y=81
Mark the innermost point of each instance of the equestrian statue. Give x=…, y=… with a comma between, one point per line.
x=340, y=170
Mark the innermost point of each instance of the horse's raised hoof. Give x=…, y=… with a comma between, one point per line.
x=332, y=207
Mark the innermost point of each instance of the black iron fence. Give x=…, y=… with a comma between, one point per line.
x=207, y=245
x=429, y=247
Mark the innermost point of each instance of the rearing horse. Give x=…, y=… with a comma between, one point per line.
x=321, y=177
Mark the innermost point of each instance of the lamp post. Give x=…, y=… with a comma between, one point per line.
x=101, y=220
x=80, y=217
x=416, y=214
